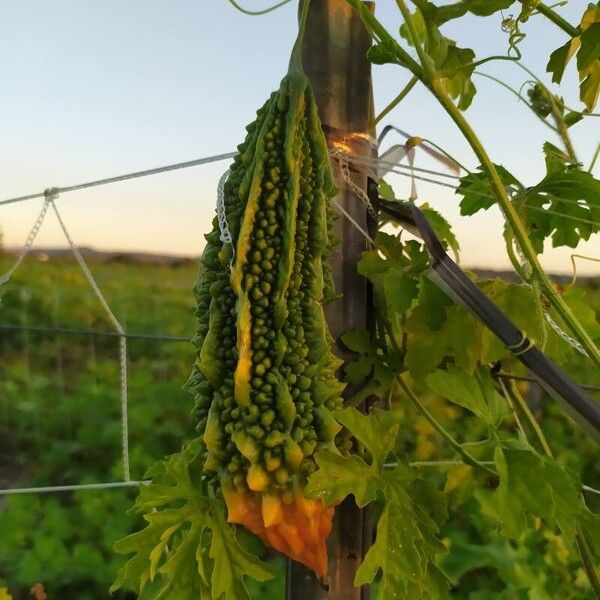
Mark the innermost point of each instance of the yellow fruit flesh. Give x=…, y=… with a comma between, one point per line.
x=298, y=529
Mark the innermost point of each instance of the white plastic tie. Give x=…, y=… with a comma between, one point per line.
x=225, y=233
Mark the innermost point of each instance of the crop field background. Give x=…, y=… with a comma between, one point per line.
x=60, y=424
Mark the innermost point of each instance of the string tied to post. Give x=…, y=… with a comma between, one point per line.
x=224, y=232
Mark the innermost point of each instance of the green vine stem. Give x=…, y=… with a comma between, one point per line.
x=587, y=560
x=561, y=126
x=514, y=396
x=255, y=13
x=467, y=458
x=430, y=79
x=405, y=91
x=516, y=399
x=535, y=78
x=518, y=95
x=554, y=17
x=516, y=224
x=520, y=233
x=583, y=257
x=594, y=159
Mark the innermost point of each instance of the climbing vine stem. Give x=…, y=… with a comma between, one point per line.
x=467, y=458
x=554, y=17
x=405, y=91
x=515, y=222
x=435, y=84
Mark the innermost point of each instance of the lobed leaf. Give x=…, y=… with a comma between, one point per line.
x=204, y=559
x=535, y=485
x=587, y=47
x=475, y=393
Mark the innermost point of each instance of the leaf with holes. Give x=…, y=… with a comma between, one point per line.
x=564, y=206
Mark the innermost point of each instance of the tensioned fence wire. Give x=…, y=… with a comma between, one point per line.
x=368, y=164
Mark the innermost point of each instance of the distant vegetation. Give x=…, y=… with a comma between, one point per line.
x=60, y=424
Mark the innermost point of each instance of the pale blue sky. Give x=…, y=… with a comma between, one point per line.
x=98, y=88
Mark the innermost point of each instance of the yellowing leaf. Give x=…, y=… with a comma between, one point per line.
x=587, y=47
x=4, y=594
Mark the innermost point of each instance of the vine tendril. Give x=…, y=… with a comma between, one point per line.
x=264, y=11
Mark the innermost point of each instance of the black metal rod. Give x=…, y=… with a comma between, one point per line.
x=450, y=278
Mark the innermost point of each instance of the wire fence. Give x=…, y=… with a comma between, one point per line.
x=50, y=195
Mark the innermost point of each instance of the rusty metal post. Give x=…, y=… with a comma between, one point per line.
x=334, y=59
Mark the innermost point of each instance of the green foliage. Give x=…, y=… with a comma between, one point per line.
x=454, y=65
x=476, y=393
x=587, y=47
x=532, y=499
x=563, y=207
x=476, y=190
x=441, y=228
x=413, y=510
x=532, y=484
x=60, y=420
x=507, y=523
x=187, y=546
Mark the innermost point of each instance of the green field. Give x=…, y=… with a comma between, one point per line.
x=60, y=424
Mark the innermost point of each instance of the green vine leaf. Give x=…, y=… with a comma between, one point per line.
x=536, y=485
x=371, y=360
x=442, y=228
x=339, y=476
x=486, y=8
x=204, y=559
x=394, y=270
x=458, y=336
x=477, y=192
x=231, y=562
x=377, y=432
x=358, y=340
x=401, y=288
x=572, y=118
x=518, y=303
x=385, y=190
x=564, y=206
x=587, y=47
x=475, y=393
x=405, y=542
x=437, y=330
x=407, y=538
x=453, y=65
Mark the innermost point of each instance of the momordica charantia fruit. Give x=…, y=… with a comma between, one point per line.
x=265, y=380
